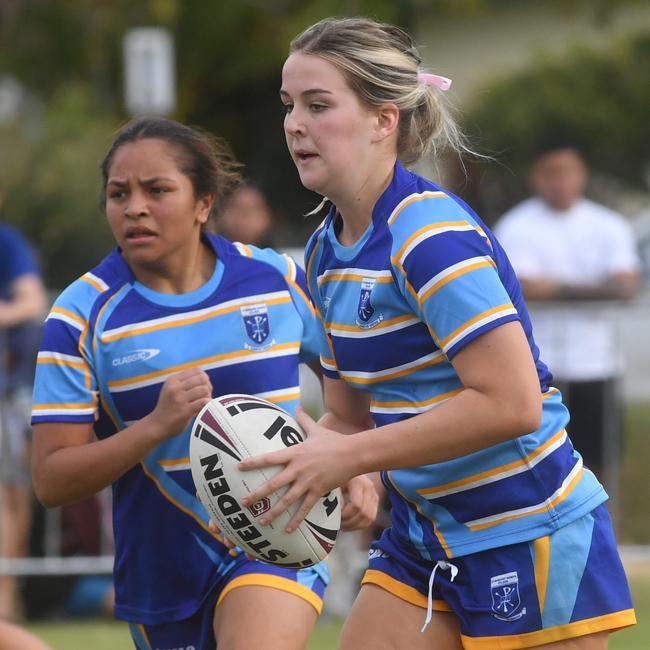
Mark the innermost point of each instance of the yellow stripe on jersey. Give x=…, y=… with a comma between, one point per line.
x=205, y=362
x=94, y=281
x=412, y=199
x=353, y=276
x=427, y=291
x=67, y=314
x=167, y=323
x=568, y=485
x=406, y=320
x=500, y=472
x=402, y=404
x=467, y=325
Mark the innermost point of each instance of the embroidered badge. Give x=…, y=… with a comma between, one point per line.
x=506, y=602
x=256, y=323
x=365, y=308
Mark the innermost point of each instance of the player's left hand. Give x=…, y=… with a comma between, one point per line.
x=361, y=503
x=314, y=468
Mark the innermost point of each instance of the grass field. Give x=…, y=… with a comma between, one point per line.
x=115, y=636
x=634, y=528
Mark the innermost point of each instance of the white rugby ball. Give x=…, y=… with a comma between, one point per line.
x=227, y=430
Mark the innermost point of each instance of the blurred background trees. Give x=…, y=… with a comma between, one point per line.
x=61, y=99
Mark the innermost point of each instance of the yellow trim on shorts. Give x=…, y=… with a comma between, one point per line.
x=402, y=591
x=275, y=582
x=606, y=623
x=542, y=553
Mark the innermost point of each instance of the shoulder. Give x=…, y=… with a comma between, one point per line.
x=605, y=216
x=520, y=216
x=82, y=296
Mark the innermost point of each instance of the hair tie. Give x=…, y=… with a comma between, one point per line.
x=434, y=80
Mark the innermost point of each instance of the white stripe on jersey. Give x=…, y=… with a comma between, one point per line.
x=524, y=465
x=377, y=375
x=427, y=194
x=58, y=356
x=432, y=231
x=282, y=394
x=382, y=328
x=547, y=504
x=474, y=326
x=396, y=410
x=134, y=328
x=445, y=273
x=352, y=274
x=38, y=412
x=58, y=315
x=96, y=281
x=231, y=359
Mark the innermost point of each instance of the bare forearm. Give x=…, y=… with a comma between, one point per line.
x=73, y=472
x=468, y=422
x=623, y=286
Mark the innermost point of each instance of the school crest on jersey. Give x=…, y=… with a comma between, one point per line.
x=257, y=326
x=506, y=602
x=365, y=308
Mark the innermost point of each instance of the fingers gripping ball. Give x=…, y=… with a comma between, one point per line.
x=227, y=430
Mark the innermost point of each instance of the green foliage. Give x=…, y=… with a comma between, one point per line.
x=594, y=99
x=51, y=183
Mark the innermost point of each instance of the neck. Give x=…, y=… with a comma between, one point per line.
x=181, y=273
x=356, y=205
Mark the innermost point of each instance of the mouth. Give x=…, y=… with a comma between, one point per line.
x=138, y=233
x=304, y=156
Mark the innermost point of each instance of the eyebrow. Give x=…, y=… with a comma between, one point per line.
x=310, y=91
x=146, y=181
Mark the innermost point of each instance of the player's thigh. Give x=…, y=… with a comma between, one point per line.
x=379, y=620
x=262, y=617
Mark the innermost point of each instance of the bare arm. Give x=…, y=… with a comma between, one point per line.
x=619, y=286
x=501, y=400
x=69, y=464
x=27, y=302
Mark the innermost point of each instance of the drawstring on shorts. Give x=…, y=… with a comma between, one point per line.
x=444, y=566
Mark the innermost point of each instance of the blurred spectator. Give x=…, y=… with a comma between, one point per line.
x=81, y=531
x=247, y=217
x=566, y=248
x=22, y=300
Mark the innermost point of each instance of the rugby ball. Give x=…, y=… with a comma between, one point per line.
x=227, y=430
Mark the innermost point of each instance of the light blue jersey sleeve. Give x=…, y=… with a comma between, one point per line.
x=443, y=261
x=65, y=387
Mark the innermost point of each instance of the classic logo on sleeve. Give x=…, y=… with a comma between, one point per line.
x=365, y=308
x=257, y=326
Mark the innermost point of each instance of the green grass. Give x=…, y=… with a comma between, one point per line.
x=99, y=635
x=634, y=528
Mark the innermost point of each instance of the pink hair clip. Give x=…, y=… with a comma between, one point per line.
x=434, y=80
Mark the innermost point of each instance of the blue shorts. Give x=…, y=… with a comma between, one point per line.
x=197, y=633
x=564, y=585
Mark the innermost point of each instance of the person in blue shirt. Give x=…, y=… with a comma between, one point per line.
x=22, y=303
x=132, y=351
x=497, y=530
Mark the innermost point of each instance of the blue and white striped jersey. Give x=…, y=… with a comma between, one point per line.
x=425, y=279
x=110, y=343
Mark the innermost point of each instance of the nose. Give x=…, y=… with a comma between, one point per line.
x=293, y=123
x=136, y=205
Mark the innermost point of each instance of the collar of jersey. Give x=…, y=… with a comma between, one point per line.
x=184, y=299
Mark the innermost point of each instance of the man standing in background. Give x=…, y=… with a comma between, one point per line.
x=572, y=254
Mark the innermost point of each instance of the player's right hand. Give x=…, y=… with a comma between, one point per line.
x=181, y=398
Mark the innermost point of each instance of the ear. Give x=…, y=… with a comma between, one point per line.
x=204, y=208
x=387, y=121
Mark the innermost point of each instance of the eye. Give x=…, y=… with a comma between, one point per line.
x=116, y=194
x=288, y=107
x=158, y=190
x=317, y=107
